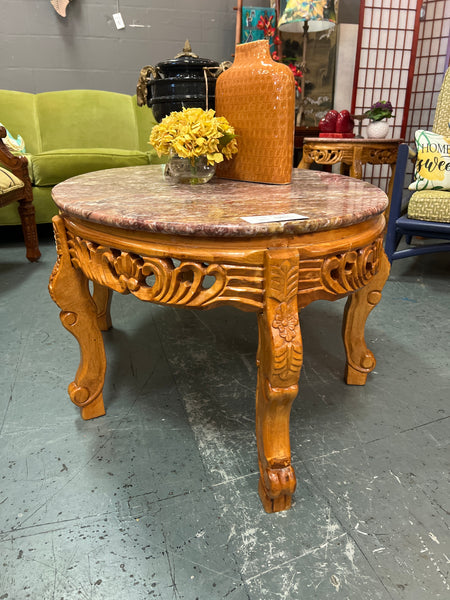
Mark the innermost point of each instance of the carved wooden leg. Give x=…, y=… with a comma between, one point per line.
x=344, y=169
x=360, y=360
x=389, y=195
x=306, y=160
x=102, y=298
x=69, y=288
x=28, y=220
x=356, y=166
x=279, y=363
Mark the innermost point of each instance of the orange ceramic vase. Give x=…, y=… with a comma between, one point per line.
x=257, y=96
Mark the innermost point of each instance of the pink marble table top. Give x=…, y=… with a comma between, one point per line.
x=140, y=198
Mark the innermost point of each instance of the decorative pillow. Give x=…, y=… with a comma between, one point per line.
x=13, y=144
x=8, y=182
x=432, y=170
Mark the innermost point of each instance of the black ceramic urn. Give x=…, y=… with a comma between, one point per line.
x=180, y=82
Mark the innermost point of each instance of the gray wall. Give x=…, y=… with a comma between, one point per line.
x=41, y=51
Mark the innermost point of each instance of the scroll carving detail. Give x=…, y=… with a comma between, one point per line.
x=352, y=270
x=163, y=281
x=326, y=156
x=339, y=274
x=381, y=156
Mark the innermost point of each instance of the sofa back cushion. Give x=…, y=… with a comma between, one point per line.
x=52, y=167
x=86, y=119
x=18, y=115
x=145, y=122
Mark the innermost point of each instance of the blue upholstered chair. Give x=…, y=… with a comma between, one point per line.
x=401, y=226
x=426, y=213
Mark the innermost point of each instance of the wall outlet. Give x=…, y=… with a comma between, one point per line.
x=118, y=21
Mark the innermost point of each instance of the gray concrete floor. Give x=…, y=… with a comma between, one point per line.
x=158, y=499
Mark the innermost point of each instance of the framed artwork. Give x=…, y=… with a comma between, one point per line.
x=318, y=71
x=251, y=16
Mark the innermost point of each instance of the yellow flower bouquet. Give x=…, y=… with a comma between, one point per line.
x=196, y=135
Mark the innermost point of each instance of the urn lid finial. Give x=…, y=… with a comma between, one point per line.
x=187, y=50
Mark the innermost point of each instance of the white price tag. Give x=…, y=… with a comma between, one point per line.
x=118, y=21
x=275, y=218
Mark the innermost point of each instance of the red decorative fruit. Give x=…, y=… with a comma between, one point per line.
x=344, y=122
x=328, y=123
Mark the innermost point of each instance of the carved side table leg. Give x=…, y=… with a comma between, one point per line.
x=306, y=160
x=360, y=360
x=69, y=289
x=389, y=194
x=356, y=166
x=344, y=169
x=279, y=362
x=102, y=298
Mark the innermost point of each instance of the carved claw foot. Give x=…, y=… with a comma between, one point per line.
x=276, y=488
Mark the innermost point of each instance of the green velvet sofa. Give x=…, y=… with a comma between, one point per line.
x=67, y=133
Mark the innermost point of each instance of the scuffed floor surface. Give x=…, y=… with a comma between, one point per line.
x=158, y=499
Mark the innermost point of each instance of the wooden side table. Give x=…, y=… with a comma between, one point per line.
x=352, y=153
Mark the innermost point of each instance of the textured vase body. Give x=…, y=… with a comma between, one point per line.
x=377, y=129
x=257, y=96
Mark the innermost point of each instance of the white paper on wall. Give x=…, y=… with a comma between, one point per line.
x=60, y=6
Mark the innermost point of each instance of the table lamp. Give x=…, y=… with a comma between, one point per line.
x=302, y=16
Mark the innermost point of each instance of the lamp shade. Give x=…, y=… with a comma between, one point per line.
x=320, y=15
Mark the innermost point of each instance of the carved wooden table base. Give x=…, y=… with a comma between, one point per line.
x=352, y=153
x=273, y=277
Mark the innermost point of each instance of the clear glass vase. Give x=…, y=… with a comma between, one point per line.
x=187, y=170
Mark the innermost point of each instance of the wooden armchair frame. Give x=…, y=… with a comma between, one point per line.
x=18, y=165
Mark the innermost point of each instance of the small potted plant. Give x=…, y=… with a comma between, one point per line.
x=378, y=113
x=195, y=141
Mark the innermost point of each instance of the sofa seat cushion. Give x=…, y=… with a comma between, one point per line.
x=50, y=168
x=430, y=205
x=8, y=182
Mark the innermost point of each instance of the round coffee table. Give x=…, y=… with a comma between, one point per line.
x=131, y=231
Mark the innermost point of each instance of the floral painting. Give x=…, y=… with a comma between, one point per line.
x=251, y=17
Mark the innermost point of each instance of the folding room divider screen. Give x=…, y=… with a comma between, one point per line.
x=402, y=55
